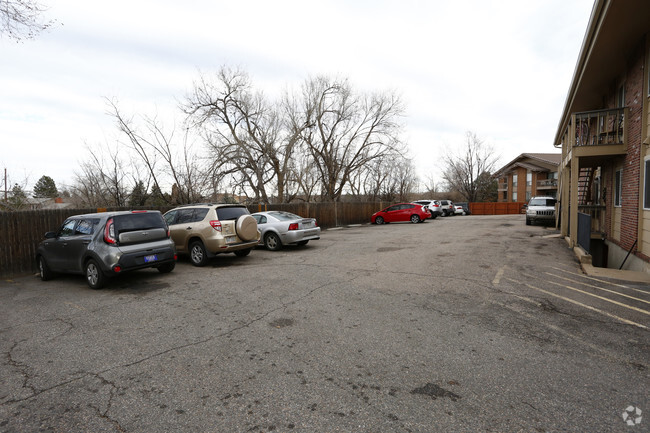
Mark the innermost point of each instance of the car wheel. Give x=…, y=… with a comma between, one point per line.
x=94, y=275
x=272, y=242
x=243, y=253
x=43, y=269
x=527, y=222
x=301, y=243
x=198, y=255
x=379, y=220
x=246, y=228
x=434, y=216
x=415, y=219
x=166, y=268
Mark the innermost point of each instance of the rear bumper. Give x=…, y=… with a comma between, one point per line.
x=294, y=236
x=219, y=246
x=146, y=259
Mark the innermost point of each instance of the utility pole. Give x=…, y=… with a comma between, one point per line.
x=5, y=183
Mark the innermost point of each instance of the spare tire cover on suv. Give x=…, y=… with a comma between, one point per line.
x=246, y=227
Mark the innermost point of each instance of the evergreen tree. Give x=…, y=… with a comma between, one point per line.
x=18, y=197
x=45, y=188
x=138, y=196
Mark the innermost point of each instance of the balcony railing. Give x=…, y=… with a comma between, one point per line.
x=547, y=184
x=600, y=127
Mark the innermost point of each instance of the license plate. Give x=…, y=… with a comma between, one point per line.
x=151, y=258
x=231, y=239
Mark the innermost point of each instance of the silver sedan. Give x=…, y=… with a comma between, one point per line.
x=280, y=228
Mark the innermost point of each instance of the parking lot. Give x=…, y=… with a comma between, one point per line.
x=466, y=323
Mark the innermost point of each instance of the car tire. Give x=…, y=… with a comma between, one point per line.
x=43, y=269
x=166, y=268
x=301, y=243
x=527, y=222
x=94, y=275
x=246, y=228
x=415, y=219
x=379, y=221
x=272, y=242
x=198, y=254
x=243, y=253
x=434, y=216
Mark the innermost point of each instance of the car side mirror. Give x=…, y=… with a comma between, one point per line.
x=50, y=235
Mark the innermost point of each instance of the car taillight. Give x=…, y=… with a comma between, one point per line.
x=117, y=269
x=293, y=226
x=216, y=225
x=109, y=232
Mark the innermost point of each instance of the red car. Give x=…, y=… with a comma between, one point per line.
x=401, y=212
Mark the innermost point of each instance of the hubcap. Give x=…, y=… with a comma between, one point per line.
x=91, y=274
x=197, y=254
x=272, y=242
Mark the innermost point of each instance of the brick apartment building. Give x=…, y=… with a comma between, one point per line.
x=604, y=135
x=528, y=175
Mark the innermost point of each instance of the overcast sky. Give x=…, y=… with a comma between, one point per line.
x=498, y=68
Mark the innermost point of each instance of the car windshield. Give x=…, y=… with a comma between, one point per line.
x=542, y=202
x=284, y=216
x=231, y=212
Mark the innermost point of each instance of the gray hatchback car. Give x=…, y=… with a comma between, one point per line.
x=101, y=245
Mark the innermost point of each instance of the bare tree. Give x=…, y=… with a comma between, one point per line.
x=467, y=171
x=163, y=157
x=101, y=181
x=252, y=140
x=22, y=19
x=345, y=131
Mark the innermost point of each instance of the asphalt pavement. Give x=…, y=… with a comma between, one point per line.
x=459, y=324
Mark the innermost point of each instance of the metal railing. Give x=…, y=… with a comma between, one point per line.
x=547, y=183
x=597, y=214
x=600, y=127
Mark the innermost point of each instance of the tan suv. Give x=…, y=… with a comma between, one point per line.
x=204, y=230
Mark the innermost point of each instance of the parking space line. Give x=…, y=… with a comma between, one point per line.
x=599, y=288
x=620, y=304
x=647, y=292
x=602, y=350
x=588, y=307
x=497, y=277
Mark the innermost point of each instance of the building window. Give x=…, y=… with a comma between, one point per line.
x=646, y=183
x=514, y=181
x=618, y=187
x=528, y=195
x=529, y=179
x=514, y=196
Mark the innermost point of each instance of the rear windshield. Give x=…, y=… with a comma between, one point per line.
x=231, y=213
x=285, y=216
x=139, y=221
x=542, y=202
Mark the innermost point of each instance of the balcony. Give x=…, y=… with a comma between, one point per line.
x=502, y=187
x=599, y=132
x=545, y=184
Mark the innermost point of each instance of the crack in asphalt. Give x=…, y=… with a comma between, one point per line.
x=37, y=392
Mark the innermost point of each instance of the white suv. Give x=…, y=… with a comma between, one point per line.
x=433, y=206
x=540, y=209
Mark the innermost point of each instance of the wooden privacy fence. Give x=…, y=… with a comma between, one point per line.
x=21, y=232
x=496, y=208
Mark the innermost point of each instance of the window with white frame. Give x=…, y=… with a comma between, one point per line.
x=618, y=187
x=646, y=183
